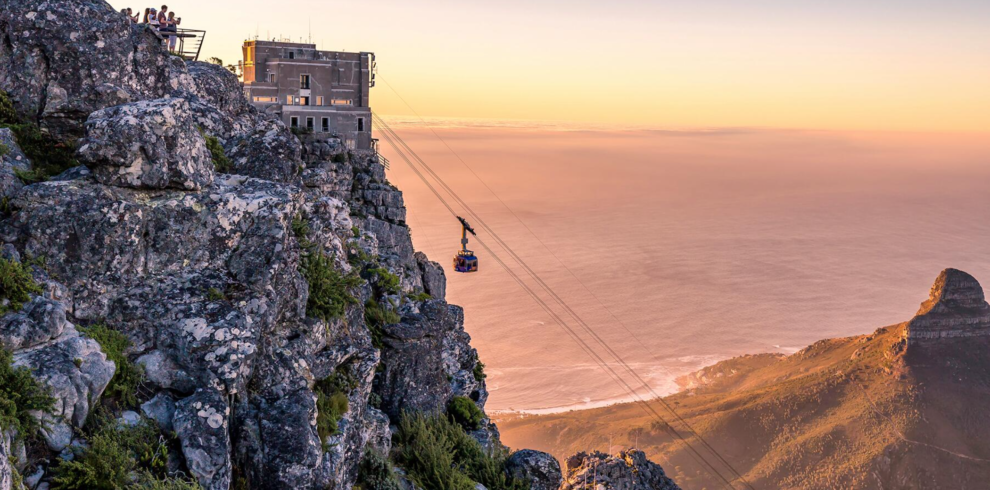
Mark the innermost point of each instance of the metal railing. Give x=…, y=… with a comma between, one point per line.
x=190, y=43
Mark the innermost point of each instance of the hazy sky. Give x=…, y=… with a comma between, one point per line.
x=836, y=64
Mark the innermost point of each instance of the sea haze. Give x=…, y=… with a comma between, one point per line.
x=688, y=247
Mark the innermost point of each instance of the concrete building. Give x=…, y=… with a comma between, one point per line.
x=319, y=91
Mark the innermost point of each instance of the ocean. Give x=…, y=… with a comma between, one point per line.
x=680, y=248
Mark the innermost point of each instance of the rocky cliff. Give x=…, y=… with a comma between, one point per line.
x=956, y=307
x=196, y=297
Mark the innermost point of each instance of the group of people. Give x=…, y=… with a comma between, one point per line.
x=165, y=22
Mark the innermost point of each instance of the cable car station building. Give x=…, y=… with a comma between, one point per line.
x=314, y=91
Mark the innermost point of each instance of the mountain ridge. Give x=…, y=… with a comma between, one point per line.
x=882, y=410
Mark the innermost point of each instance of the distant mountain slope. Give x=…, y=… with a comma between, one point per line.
x=904, y=407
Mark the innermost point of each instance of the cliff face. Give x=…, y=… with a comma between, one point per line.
x=214, y=278
x=193, y=295
x=956, y=307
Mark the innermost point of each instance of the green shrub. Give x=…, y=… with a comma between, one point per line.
x=376, y=317
x=123, y=386
x=438, y=454
x=479, y=371
x=329, y=289
x=4, y=150
x=7, y=113
x=220, y=161
x=16, y=285
x=465, y=412
x=300, y=228
x=419, y=297
x=331, y=403
x=150, y=482
x=356, y=256
x=49, y=157
x=356, y=231
x=385, y=281
x=119, y=457
x=20, y=394
x=214, y=294
x=375, y=473
x=340, y=158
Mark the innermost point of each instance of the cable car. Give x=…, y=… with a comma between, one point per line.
x=465, y=261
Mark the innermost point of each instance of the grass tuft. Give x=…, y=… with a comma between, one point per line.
x=384, y=281
x=20, y=394
x=118, y=457
x=465, y=412
x=220, y=161
x=329, y=289
x=377, y=317
x=331, y=403
x=438, y=454
x=128, y=375
x=16, y=285
x=375, y=473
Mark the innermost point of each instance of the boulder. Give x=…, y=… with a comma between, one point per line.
x=217, y=87
x=956, y=307
x=151, y=144
x=434, y=279
x=11, y=160
x=201, y=423
x=268, y=150
x=628, y=470
x=540, y=470
x=63, y=60
x=76, y=372
x=39, y=321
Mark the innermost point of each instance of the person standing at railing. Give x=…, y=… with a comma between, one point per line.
x=147, y=12
x=172, y=28
x=153, y=19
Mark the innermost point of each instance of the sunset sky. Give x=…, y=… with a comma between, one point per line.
x=839, y=64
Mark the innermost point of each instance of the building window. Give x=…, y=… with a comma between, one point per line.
x=326, y=124
x=341, y=102
x=304, y=82
x=303, y=100
x=271, y=78
x=360, y=124
x=293, y=122
x=267, y=100
x=309, y=123
x=319, y=100
x=288, y=100
x=295, y=100
x=292, y=55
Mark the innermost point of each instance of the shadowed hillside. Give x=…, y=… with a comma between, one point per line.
x=904, y=407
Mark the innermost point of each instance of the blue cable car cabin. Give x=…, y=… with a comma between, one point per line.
x=465, y=262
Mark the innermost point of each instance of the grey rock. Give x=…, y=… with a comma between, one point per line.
x=76, y=372
x=628, y=470
x=540, y=470
x=267, y=151
x=217, y=87
x=150, y=144
x=956, y=307
x=40, y=321
x=434, y=278
x=80, y=172
x=63, y=60
x=129, y=418
x=161, y=409
x=201, y=423
x=6, y=469
x=11, y=159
